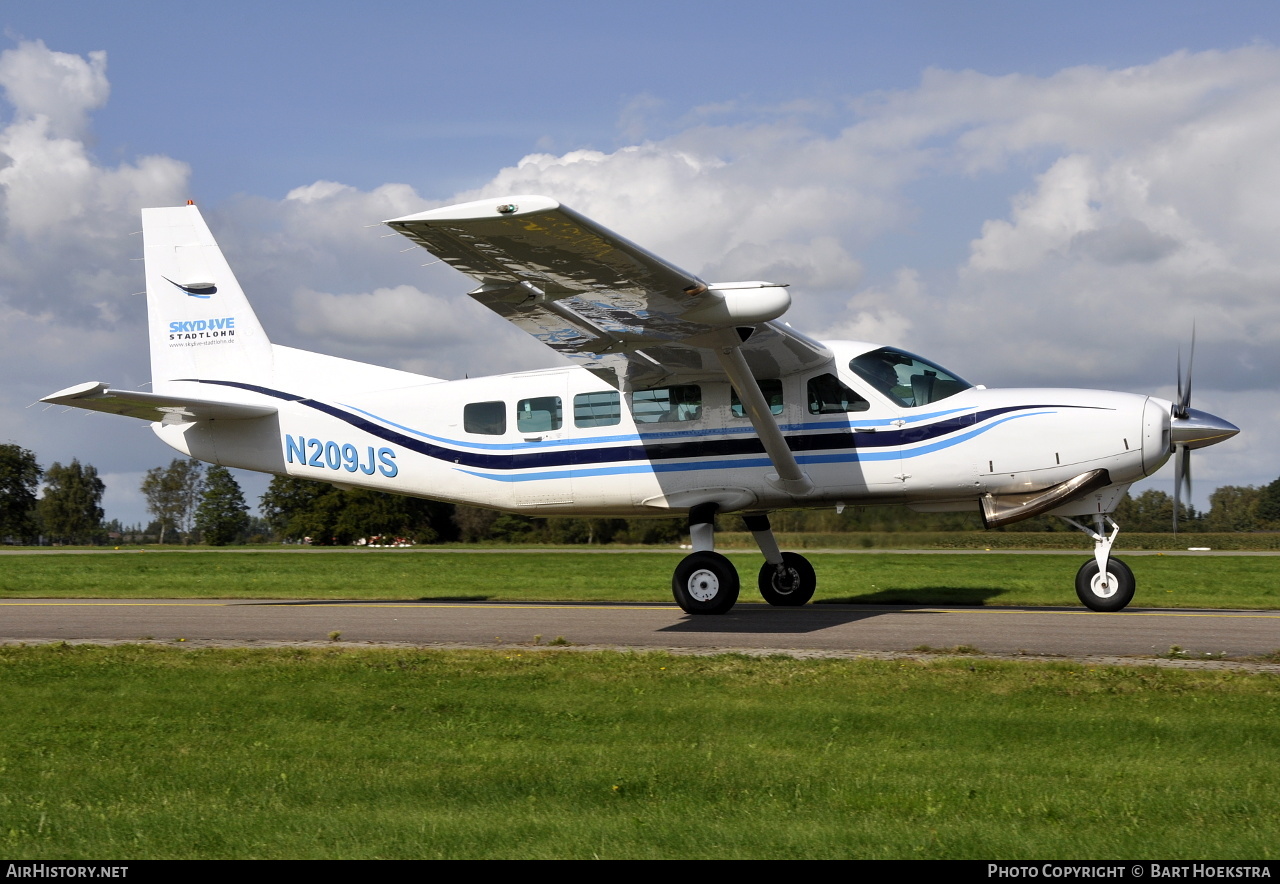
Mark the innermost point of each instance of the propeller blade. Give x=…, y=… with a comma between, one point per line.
x=1177, y=403
x=1186, y=473
x=1181, y=479
x=1182, y=453
x=1181, y=411
x=1191, y=360
x=1183, y=404
x=1177, y=477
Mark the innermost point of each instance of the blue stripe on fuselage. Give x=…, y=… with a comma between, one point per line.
x=853, y=456
x=650, y=437
x=656, y=451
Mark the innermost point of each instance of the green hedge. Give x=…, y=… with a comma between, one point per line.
x=1003, y=540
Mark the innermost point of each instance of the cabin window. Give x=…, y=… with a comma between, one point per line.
x=667, y=404
x=772, y=390
x=538, y=415
x=827, y=395
x=905, y=378
x=485, y=418
x=597, y=409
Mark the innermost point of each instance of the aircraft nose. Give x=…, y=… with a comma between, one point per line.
x=1200, y=429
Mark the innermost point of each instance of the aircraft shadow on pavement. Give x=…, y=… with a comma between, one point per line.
x=921, y=595
x=453, y=598
x=331, y=602
x=763, y=620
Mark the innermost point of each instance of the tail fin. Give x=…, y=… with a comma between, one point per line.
x=200, y=322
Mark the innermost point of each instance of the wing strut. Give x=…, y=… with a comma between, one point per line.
x=790, y=477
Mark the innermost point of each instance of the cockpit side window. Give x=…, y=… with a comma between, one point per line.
x=827, y=395
x=905, y=378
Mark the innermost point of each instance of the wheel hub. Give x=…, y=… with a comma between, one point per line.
x=704, y=585
x=1104, y=586
x=786, y=580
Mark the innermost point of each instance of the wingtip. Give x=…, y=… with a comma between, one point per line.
x=77, y=391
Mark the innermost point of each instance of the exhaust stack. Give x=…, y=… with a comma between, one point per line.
x=1009, y=508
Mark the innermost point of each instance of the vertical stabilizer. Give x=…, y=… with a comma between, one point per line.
x=200, y=323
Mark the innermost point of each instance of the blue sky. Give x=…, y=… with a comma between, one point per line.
x=261, y=97
x=894, y=162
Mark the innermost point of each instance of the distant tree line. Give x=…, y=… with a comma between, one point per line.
x=69, y=510
x=1233, y=508
x=191, y=503
x=324, y=515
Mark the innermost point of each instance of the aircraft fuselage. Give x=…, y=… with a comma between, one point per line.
x=558, y=441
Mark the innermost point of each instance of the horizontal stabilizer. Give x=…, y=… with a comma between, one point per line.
x=97, y=396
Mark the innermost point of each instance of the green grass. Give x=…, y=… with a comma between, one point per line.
x=141, y=752
x=1163, y=581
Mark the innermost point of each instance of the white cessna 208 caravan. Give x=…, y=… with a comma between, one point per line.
x=680, y=396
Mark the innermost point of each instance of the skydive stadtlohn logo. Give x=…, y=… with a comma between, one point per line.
x=196, y=329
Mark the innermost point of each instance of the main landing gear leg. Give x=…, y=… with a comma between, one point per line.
x=705, y=582
x=1103, y=584
x=786, y=579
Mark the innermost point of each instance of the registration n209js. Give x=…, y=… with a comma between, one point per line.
x=326, y=454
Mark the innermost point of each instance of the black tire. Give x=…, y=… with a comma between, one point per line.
x=705, y=583
x=1110, y=596
x=793, y=586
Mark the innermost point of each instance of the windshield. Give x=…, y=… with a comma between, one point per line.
x=905, y=378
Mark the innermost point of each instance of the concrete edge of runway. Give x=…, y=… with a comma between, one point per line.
x=1161, y=662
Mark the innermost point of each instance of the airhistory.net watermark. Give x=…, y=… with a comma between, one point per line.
x=64, y=870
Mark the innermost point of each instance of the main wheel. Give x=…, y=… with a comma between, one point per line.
x=705, y=583
x=791, y=585
x=1109, y=592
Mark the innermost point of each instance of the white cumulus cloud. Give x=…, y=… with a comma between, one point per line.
x=65, y=218
x=1145, y=203
x=56, y=87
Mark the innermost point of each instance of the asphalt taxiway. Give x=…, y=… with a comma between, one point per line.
x=817, y=628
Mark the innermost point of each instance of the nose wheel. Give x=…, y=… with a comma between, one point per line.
x=1106, y=591
x=1103, y=583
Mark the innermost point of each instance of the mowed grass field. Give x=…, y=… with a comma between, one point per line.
x=137, y=752
x=995, y=578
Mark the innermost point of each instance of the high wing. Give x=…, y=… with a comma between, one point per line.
x=96, y=396
x=629, y=317
x=623, y=313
